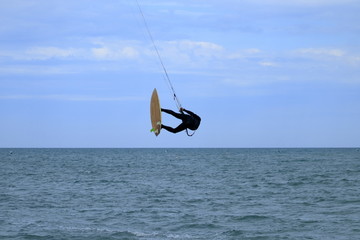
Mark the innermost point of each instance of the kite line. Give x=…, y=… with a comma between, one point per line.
x=167, y=78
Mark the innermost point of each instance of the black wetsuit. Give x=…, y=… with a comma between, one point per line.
x=191, y=121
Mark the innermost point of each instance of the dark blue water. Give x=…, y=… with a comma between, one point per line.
x=179, y=194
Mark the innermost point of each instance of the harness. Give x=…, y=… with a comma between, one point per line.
x=187, y=130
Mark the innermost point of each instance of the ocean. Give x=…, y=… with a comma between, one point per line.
x=162, y=194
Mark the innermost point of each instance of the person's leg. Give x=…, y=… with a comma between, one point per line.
x=179, y=128
x=171, y=112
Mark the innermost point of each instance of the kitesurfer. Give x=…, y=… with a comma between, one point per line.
x=190, y=120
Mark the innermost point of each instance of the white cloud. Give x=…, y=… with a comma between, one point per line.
x=43, y=53
x=354, y=60
x=329, y=54
x=243, y=53
x=101, y=52
x=322, y=52
x=114, y=49
x=180, y=54
x=81, y=98
x=202, y=55
x=106, y=51
x=129, y=52
x=252, y=50
x=37, y=69
x=303, y=2
x=268, y=64
x=186, y=53
x=199, y=49
x=114, y=53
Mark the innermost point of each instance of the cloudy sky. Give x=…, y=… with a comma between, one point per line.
x=260, y=73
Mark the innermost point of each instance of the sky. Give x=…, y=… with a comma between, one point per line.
x=260, y=73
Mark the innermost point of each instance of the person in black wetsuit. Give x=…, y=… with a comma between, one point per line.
x=190, y=120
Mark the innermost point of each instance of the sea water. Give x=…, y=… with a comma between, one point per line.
x=179, y=194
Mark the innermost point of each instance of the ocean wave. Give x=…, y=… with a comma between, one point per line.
x=139, y=194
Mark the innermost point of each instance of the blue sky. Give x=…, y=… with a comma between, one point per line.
x=272, y=73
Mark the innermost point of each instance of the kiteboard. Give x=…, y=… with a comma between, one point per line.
x=155, y=113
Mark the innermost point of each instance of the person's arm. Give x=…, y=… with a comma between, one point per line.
x=189, y=112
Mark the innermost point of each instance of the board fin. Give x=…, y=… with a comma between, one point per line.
x=154, y=130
